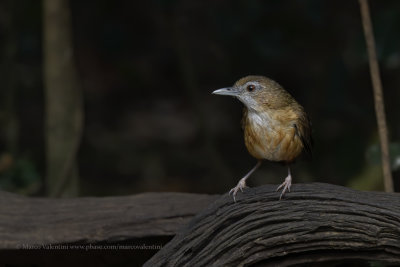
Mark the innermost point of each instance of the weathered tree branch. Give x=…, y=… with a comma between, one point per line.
x=314, y=223
x=41, y=221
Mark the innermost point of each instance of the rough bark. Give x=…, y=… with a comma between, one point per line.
x=28, y=221
x=315, y=223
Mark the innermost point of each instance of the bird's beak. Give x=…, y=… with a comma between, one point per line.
x=232, y=91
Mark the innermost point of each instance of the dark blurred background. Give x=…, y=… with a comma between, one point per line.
x=146, y=70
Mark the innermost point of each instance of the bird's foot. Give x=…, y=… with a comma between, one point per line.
x=285, y=186
x=241, y=185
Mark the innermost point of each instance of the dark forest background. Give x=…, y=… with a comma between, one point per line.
x=146, y=70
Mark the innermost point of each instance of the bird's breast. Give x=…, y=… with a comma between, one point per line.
x=272, y=135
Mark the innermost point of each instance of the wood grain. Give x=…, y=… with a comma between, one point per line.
x=315, y=223
x=31, y=221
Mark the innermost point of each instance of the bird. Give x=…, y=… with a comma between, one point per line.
x=276, y=127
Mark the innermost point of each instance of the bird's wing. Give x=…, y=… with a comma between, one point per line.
x=303, y=130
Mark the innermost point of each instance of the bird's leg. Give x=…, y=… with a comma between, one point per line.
x=242, y=182
x=286, y=184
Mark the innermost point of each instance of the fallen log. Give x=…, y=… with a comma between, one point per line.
x=315, y=223
x=27, y=221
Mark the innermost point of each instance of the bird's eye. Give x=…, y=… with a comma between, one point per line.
x=251, y=87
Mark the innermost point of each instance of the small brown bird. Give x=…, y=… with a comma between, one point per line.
x=275, y=126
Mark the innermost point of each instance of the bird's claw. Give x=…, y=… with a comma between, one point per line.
x=285, y=186
x=240, y=186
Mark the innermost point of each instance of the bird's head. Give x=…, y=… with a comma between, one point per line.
x=258, y=93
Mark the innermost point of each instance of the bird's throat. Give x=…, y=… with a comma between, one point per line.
x=259, y=119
